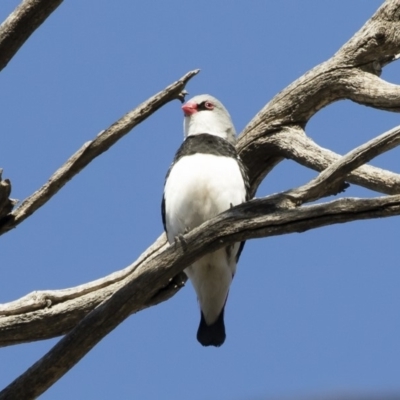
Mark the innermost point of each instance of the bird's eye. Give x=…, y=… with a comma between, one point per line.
x=208, y=105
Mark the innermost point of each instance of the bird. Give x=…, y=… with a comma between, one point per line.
x=206, y=178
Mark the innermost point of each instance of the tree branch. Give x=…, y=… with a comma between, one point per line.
x=46, y=314
x=330, y=181
x=42, y=315
x=20, y=25
x=370, y=90
x=258, y=218
x=292, y=143
x=345, y=75
x=376, y=44
x=254, y=219
x=91, y=150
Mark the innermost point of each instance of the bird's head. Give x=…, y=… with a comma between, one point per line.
x=206, y=114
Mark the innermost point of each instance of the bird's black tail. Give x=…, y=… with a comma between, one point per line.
x=212, y=335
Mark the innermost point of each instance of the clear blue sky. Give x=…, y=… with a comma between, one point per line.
x=308, y=314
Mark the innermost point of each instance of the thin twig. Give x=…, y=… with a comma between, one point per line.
x=90, y=150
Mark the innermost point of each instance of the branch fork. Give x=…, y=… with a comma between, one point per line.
x=87, y=313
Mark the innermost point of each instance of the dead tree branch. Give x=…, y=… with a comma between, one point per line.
x=254, y=219
x=20, y=25
x=90, y=150
x=45, y=314
x=331, y=180
x=295, y=145
x=370, y=90
x=352, y=73
x=347, y=75
x=42, y=315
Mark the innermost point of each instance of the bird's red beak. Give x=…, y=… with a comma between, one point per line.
x=189, y=108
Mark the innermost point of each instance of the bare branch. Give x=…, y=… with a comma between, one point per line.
x=37, y=303
x=253, y=219
x=43, y=299
x=44, y=313
x=370, y=90
x=20, y=25
x=293, y=143
x=345, y=75
x=91, y=150
x=328, y=181
x=376, y=44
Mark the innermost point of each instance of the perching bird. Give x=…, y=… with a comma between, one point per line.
x=206, y=178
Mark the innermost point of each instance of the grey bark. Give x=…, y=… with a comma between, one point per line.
x=86, y=314
x=90, y=150
x=20, y=25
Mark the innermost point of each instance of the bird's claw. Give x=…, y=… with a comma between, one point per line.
x=180, y=239
x=178, y=281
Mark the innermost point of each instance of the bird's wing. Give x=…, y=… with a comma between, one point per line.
x=163, y=213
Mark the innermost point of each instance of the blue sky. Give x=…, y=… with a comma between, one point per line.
x=308, y=314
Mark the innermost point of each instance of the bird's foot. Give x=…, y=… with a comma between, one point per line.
x=180, y=239
x=178, y=281
x=173, y=285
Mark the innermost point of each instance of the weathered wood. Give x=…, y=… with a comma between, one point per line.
x=350, y=74
x=276, y=132
x=275, y=215
x=295, y=145
x=254, y=219
x=90, y=150
x=42, y=315
x=20, y=25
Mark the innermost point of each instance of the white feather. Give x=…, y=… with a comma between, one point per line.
x=217, y=122
x=199, y=187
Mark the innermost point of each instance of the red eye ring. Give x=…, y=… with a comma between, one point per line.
x=208, y=105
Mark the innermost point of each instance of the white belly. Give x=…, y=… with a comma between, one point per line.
x=198, y=188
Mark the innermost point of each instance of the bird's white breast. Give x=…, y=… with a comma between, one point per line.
x=199, y=187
